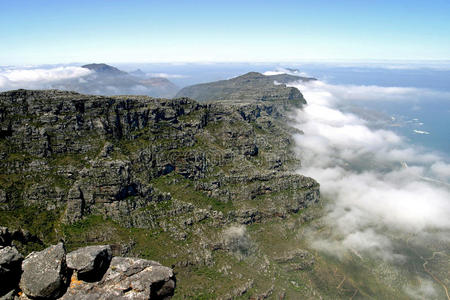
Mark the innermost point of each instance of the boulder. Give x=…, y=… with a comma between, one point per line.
x=45, y=273
x=126, y=278
x=10, y=269
x=90, y=262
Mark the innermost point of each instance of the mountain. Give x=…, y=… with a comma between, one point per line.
x=137, y=73
x=171, y=180
x=210, y=189
x=108, y=80
x=252, y=86
x=105, y=69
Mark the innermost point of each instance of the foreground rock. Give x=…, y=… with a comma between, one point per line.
x=96, y=275
x=45, y=273
x=127, y=278
x=90, y=262
x=10, y=269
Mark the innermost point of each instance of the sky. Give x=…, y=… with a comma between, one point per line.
x=55, y=31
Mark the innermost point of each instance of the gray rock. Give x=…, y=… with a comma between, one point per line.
x=90, y=262
x=45, y=273
x=127, y=278
x=10, y=269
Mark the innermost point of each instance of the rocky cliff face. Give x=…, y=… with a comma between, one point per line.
x=97, y=155
x=170, y=179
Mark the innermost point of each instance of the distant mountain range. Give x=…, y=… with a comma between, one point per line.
x=108, y=80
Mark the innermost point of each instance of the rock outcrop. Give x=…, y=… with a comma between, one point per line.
x=127, y=278
x=93, y=274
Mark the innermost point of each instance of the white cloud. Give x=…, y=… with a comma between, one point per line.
x=166, y=75
x=441, y=170
x=345, y=93
x=377, y=184
x=270, y=73
x=424, y=290
x=38, y=78
x=286, y=71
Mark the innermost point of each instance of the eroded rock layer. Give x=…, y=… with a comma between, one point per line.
x=104, y=155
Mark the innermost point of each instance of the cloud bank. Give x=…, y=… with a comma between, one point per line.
x=81, y=80
x=377, y=186
x=38, y=78
x=166, y=75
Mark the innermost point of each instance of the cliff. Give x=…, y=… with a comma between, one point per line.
x=173, y=180
x=97, y=155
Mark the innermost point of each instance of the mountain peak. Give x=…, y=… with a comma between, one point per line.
x=251, y=74
x=138, y=73
x=104, y=68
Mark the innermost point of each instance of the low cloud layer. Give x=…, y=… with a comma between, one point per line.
x=339, y=94
x=30, y=78
x=377, y=185
x=83, y=80
x=166, y=75
x=284, y=71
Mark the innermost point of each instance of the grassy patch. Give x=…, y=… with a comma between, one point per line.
x=184, y=190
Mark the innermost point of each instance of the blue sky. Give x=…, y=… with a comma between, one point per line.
x=56, y=31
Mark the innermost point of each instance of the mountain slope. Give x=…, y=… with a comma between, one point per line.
x=104, y=69
x=252, y=86
x=68, y=159
x=108, y=80
x=208, y=189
